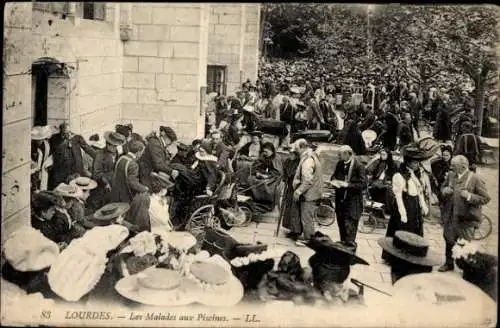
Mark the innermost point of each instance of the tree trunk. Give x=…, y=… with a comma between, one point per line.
x=479, y=105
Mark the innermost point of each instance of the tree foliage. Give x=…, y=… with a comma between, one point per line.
x=447, y=45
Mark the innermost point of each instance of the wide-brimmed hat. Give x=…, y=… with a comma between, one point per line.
x=114, y=138
x=163, y=177
x=26, y=249
x=83, y=183
x=295, y=89
x=413, y=152
x=43, y=132
x=441, y=299
x=169, y=132
x=411, y=248
x=205, y=280
x=97, y=142
x=213, y=277
x=109, y=212
x=124, y=130
x=157, y=287
x=334, y=252
x=70, y=191
x=46, y=198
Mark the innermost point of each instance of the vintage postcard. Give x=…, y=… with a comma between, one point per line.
x=249, y=165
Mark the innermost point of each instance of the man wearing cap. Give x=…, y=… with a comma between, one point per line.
x=349, y=179
x=464, y=193
x=67, y=154
x=126, y=183
x=307, y=185
x=103, y=169
x=160, y=149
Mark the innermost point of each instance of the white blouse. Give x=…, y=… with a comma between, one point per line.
x=158, y=215
x=399, y=184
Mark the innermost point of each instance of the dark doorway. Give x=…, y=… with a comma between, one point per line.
x=40, y=79
x=42, y=70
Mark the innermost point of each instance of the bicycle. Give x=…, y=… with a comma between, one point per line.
x=483, y=230
x=324, y=214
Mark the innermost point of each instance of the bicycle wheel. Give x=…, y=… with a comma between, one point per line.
x=483, y=230
x=248, y=216
x=324, y=215
x=200, y=219
x=367, y=223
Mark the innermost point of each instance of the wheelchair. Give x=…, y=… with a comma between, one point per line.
x=220, y=210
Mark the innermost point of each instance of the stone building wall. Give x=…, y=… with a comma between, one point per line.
x=233, y=41
x=164, y=68
x=90, y=98
x=16, y=117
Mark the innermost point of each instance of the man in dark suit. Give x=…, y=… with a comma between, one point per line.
x=158, y=154
x=126, y=177
x=67, y=156
x=349, y=179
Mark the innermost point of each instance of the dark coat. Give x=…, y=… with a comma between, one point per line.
x=390, y=135
x=138, y=213
x=60, y=228
x=405, y=134
x=442, y=127
x=354, y=139
x=126, y=182
x=454, y=216
x=62, y=169
x=350, y=200
x=156, y=158
x=439, y=169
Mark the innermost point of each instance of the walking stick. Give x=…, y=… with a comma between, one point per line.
x=282, y=212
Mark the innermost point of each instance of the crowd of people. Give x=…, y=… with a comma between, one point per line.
x=149, y=183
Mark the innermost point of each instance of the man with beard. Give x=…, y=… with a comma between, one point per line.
x=350, y=181
x=67, y=156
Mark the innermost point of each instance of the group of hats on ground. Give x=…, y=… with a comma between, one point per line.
x=175, y=268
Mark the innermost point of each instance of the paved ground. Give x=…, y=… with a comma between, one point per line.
x=377, y=273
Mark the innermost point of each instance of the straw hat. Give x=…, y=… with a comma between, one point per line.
x=42, y=132
x=114, y=138
x=157, y=287
x=70, y=191
x=83, y=183
x=212, y=278
x=411, y=248
x=441, y=299
x=249, y=108
x=109, y=212
x=26, y=249
x=204, y=282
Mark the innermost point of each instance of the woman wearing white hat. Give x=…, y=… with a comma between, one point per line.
x=41, y=159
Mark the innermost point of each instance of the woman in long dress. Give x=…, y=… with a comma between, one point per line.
x=409, y=198
x=290, y=208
